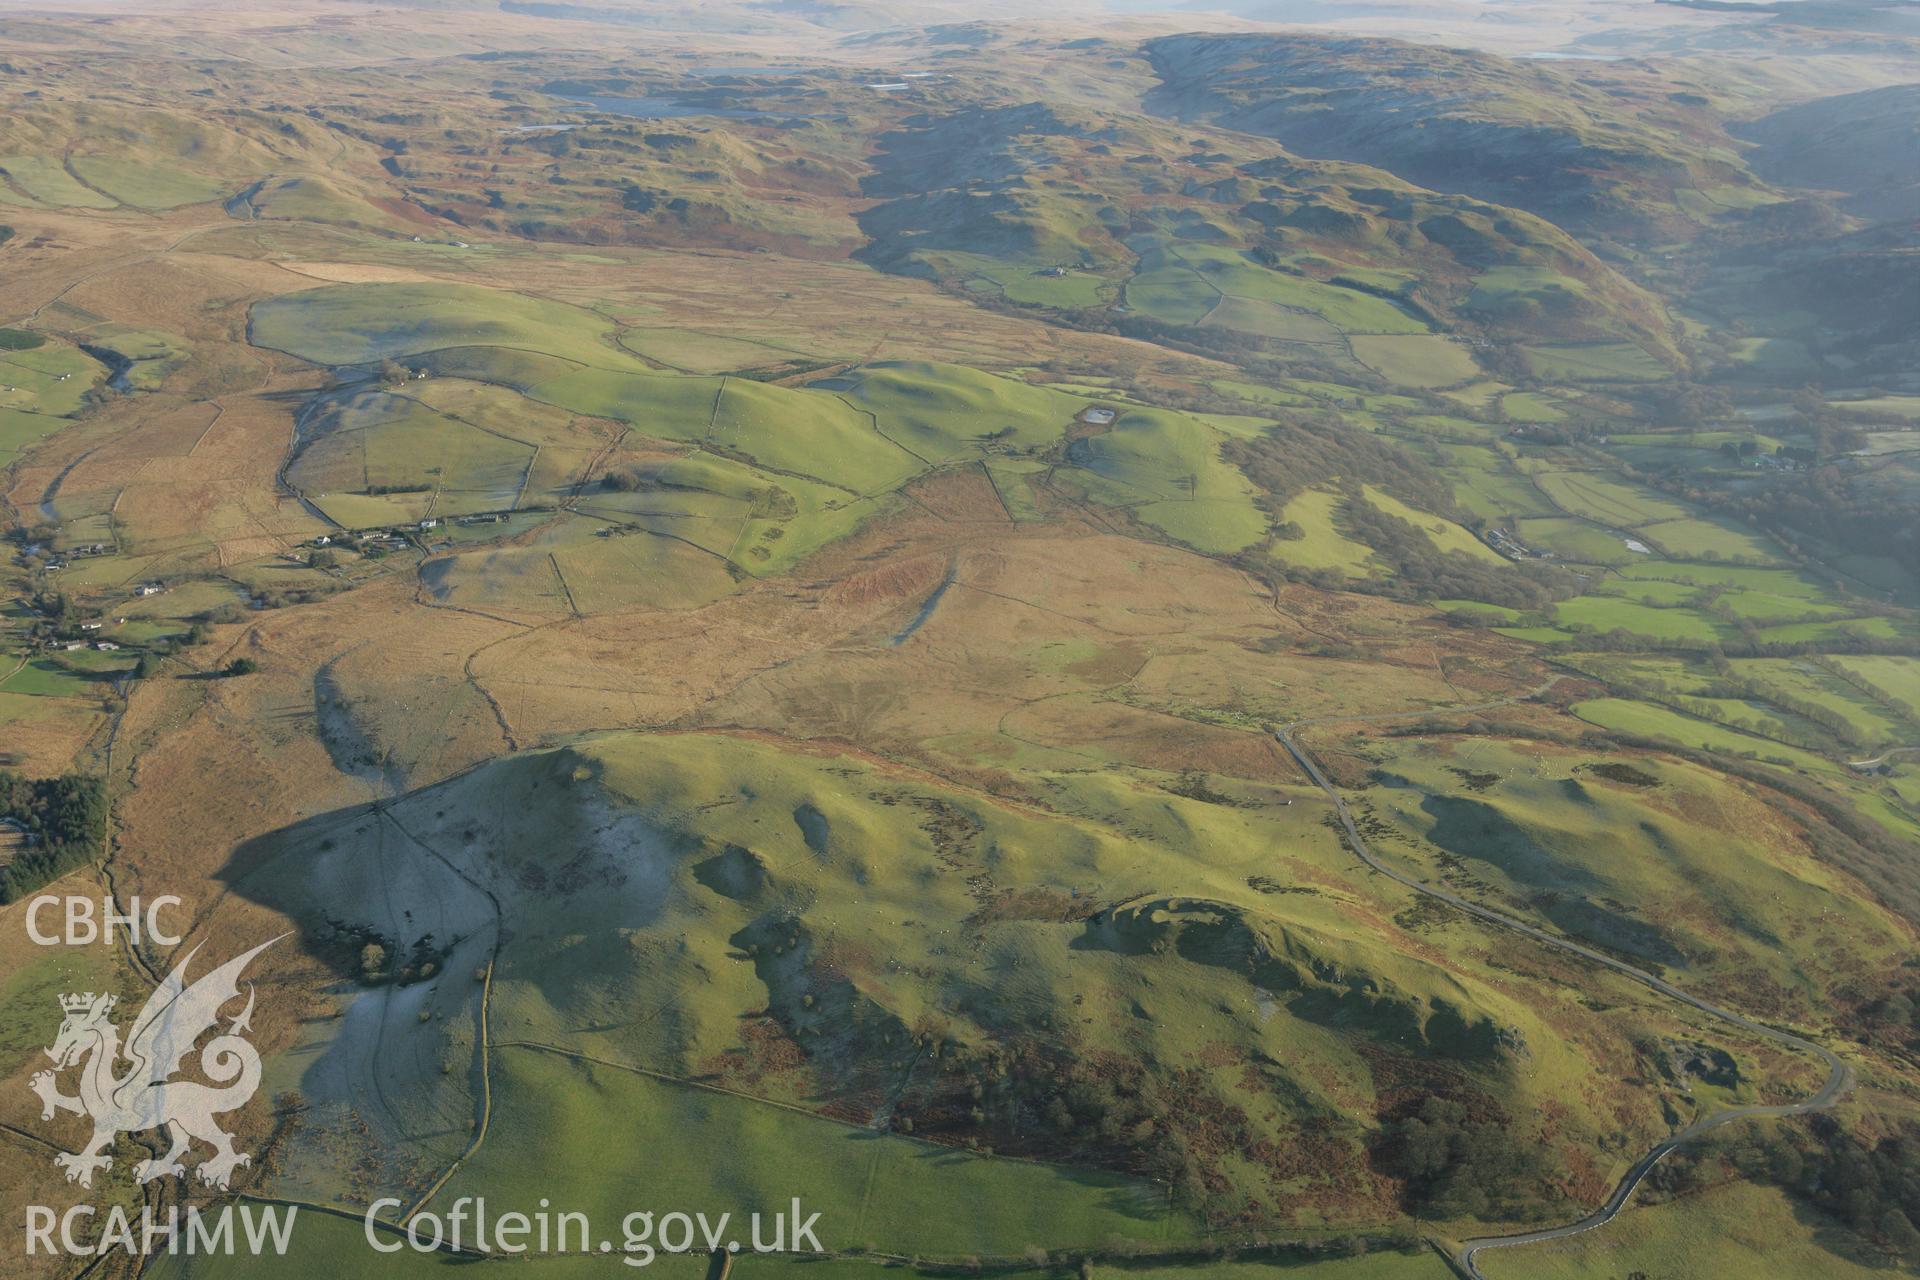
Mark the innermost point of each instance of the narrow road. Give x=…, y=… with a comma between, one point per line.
x=1839, y=1075
x=1882, y=758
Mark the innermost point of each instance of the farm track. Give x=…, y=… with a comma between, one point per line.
x=1883, y=757
x=1839, y=1075
x=483, y=1108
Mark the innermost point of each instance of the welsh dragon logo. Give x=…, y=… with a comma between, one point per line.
x=145, y=1095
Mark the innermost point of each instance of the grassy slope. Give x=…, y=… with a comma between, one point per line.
x=681, y=850
x=1071, y=209
x=877, y=1189
x=1733, y=1230
x=357, y=324
x=1167, y=468
x=1646, y=871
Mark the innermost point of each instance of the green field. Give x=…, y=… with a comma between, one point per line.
x=1323, y=547
x=85, y=674
x=1021, y=281
x=20, y=430
x=1167, y=469
x=759, y=522
x=1448, y=428
x=809, y=433
x=1802, y=681
x=1649, y=591
x=1905, y=408
x=1525, y=406
x=1270, y=320
x=337, y=1246
x=1788, y=583
x=1710, y=539
x=1183, y=283
x=1646, y=720
x=1766, y=606
x=864, y=432
x=571, y=567
x=943, y=413
x=448, y=465
x=1780, y=360
x=1597, y=362
x=1491, y=488
x=891, y=1193
x=147, y=186
x=1421, y=360
x=1524, y=289
x=1734, y=1230
x=1557, y=838
x=1604, y=614
x=46, y=180
x=1873, y=628
x=1255, y=393
x=362, y=323
x=51, y=377
x=1574, y=540
x=1896, y=679
x=692, y=351
x=1445, y=535
x=1607, y=501
x=311, y=198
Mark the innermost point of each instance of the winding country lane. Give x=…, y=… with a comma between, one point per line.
x=1839, y=1075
